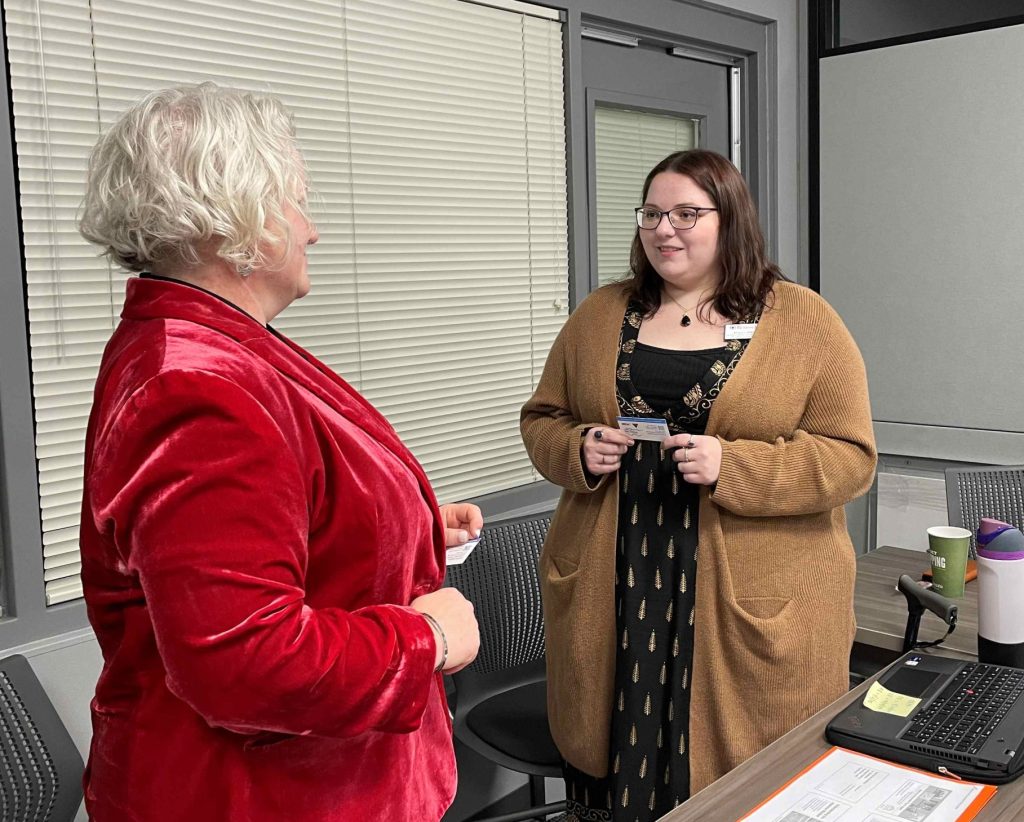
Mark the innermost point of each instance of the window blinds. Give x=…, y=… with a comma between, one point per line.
x=434, y=134
x=627, y=145
x=71, y=294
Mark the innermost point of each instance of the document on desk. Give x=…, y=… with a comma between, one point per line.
x=843, y=786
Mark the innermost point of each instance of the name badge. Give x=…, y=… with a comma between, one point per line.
x=740, y=331
x=653, y=429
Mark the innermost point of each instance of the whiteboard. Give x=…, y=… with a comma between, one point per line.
x=922, y=225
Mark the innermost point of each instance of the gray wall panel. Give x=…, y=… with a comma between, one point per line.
x=922, y=195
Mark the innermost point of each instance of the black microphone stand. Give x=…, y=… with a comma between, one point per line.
x=918, y=599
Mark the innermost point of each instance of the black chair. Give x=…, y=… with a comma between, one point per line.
x=995, y=491
x=40, y=767
x=501, y=698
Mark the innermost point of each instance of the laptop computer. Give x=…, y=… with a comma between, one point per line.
x=969, y=722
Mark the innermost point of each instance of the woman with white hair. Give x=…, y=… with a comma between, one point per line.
x=262, y=556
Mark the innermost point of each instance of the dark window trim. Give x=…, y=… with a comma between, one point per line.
x=933, y=34
x=817, y=33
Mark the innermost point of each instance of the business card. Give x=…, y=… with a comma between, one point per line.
x=653, y=429
x=457, y=554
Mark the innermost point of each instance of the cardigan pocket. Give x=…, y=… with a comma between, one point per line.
x=771, y=639
x=568, y=665
x=763, y=608
x=558, y=577
x=767, y=626
x=776, y=663
x=564, y=568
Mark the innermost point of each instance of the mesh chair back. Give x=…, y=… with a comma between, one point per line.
x=40, y=767
x=500, y=579
x=992, y=491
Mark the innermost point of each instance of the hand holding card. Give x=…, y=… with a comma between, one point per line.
x=462, y=521
x=602, y=450
x=458, y=554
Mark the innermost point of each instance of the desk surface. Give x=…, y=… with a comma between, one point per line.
x=740, y=790
x=881, y=619
x=882, y=610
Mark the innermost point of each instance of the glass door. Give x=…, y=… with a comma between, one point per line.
x=642, y=105
x=627, y=144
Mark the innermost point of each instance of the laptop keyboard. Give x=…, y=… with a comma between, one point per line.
x=964, y=714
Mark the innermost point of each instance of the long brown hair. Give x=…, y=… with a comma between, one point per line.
x=747, y=274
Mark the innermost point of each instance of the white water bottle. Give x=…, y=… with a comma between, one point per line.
x=1000, y=594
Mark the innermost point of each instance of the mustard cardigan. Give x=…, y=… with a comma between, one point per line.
x=774, y=599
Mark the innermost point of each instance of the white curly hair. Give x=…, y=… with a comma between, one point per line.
x=194, y=170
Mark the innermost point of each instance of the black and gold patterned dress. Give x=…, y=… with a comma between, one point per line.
x=656, y=565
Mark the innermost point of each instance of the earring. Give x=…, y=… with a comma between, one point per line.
x=244, y=270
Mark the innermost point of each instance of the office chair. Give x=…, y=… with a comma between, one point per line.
x=40, y=767
x=501, y=698
x=995, y=491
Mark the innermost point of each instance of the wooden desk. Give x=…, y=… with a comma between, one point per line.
x=882, y=610
x=881, y=619
x=740, y=790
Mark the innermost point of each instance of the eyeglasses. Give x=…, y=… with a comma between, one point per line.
x=679, y=218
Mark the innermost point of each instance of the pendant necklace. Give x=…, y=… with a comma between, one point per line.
x=685, y=321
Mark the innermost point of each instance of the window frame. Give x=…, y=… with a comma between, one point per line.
x=597, y=98
x=26, y=616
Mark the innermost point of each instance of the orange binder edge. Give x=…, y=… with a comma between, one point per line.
x=987, y=791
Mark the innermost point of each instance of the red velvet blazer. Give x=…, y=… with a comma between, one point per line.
x=252, y=534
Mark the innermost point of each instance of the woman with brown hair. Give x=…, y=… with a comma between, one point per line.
x=698, y=590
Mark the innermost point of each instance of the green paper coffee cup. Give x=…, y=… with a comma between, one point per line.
x=948, y=548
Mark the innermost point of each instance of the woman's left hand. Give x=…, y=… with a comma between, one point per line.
x=698, y=458
x=462, y=521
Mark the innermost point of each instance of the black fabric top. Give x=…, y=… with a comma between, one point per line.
x=662, y=375
x=688, y=407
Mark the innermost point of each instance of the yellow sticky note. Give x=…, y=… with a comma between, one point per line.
x=889, y=702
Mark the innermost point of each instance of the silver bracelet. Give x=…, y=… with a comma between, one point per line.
x=444, y=640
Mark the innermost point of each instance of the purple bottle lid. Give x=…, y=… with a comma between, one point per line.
x=1007, y=544
x=989, y=529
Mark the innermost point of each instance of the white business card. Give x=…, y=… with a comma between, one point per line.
x=457, y=554
x=652, y=429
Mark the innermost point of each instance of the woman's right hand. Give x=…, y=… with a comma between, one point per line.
x=603, y=449
x=454, y=613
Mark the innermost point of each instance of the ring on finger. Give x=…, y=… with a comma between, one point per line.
x=686, y=456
